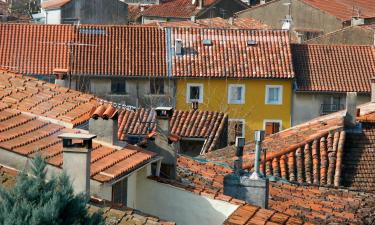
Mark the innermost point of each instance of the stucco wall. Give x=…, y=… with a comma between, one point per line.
x=353, y=35
x=183, y=207
x=53, y=16
x=304, y=16
x=254, y=111
x=306, y=106
x=138, y=92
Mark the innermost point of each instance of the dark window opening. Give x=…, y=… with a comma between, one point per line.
x=119, y=192
x=194, y=92
x=157, y=86
x=118, y=86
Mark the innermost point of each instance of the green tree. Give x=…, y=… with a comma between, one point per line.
x=36, y=201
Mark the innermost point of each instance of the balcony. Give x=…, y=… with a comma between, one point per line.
x=330, y=108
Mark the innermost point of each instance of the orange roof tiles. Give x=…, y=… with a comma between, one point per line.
x=333, y=68
x=44, y=99
x=54, y=4
x=217, y=22
x=175, y=8
x=268, y=57
x=27, y=135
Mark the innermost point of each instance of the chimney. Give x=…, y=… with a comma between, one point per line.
x=193, y=19
x=373, y=89
x=200, y=4
x=61, y=75
x=262, y=2
x=351, y=109
x=231, y=21
x=165, y=144
x=252, y=189
x=240, y=143
x=104, y=124
x=77, y=157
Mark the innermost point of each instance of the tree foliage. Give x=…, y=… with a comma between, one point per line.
x=36, y=201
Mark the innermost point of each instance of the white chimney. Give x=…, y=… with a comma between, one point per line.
x=231, y=21
x=357, y=20
x=351, y=109
x=77, y=158
x=373, y=90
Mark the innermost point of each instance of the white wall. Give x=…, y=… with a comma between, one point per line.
x=132, y=190
x=53, y=16
x=178, y=205
x=306, y=106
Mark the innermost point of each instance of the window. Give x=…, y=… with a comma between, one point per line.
x=236, y=94
x=118, y=86
x=274, y=94
x=272, y=126
x=236, y=129
x=194, y=93
x=156, y=86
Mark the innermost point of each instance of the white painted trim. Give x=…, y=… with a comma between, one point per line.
x=242, y=101
x=243, y=126
x=201, y=91
x=280, y=102
x=272, y=121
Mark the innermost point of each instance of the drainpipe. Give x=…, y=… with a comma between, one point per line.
x=258, y=137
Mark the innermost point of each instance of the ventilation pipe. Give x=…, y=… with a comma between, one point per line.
x=258, y=138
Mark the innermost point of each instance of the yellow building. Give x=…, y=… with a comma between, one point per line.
x=246, y=73
x=250, y=103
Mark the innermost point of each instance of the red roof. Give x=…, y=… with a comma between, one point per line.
x=217, y=22
x=28, y=135
x=345, y=9
x=45, y=99
x=54, y=4
x=333, y=68
x=269, y=56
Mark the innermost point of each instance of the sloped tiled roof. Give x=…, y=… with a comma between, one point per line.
x=54, y=4
x=269, y=57
x=298, y=203
x=333, y=68
x=28, y=135
x=217, y=22
x=45, y=99
x=190, y=124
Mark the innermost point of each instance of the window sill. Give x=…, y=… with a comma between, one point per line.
x=279, y=103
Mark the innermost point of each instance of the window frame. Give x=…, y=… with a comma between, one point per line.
x=153, y=82
x=265, y=121
x=201, y=92
x=268, y=87
x=242, y=101
x=117, y=80
x=243, y=125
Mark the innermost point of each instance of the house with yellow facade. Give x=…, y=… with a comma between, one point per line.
x=246, y=73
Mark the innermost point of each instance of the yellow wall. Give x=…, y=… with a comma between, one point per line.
x=254, y=111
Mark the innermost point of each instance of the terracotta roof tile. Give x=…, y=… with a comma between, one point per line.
x=217, y=60
x=54, y=4
x=28, y=135
x=190, y=124
x=175, y=8
x=40, y=98
x=333, y=68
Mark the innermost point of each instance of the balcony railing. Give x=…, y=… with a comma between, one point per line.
x=330, y=108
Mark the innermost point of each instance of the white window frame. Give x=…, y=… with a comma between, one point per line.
x=242, y=101
x=272, y=121
x=201, y=92
x=280, y=102
x=243, y=125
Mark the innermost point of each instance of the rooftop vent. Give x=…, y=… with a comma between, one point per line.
x=207, y=42
x=178, y=47
x=251, y=42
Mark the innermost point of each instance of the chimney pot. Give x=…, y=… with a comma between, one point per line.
x=351, y=109
x=77, y=158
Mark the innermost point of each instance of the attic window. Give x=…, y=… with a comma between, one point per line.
x=207, y=42
x=251, y=42
x=91, y=31
x=178, y=47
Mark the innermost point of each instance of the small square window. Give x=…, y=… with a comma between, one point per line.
x=194, y=93
x=156, y=86
x=272, y=126
x=236, y=94
x=118, y=86
x=274, y=94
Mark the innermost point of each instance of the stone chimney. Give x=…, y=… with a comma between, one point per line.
x=351, y=109
x=104, y=124
x=240, y=144
x=77, y=157
x=61, y=77
x=252, y=189
x=163, y=143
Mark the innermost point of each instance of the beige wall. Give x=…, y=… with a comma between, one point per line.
x=306, y=106
x=176, y=204
x=304, y=16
